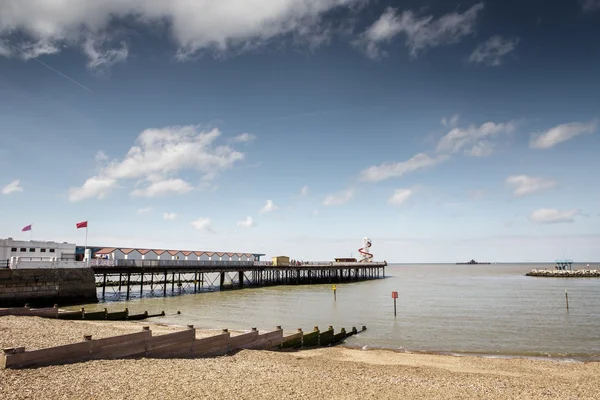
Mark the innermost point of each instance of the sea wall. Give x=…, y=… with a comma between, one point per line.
x=580, y=273
x=45, y=287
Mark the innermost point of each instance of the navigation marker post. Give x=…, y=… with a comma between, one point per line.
x=334, y=288
x=567, y=299
x=394, y=296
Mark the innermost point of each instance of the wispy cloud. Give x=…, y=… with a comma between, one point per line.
x=389, y=170
x=338, y=198
x=304, y=191
x=561, y=133
x=553, y=216
x=524, y=185
x=243, y=138
x=421, y=32
x=492, y=51
x=163, y=187
x=169, y=216
x=401, y=196
x=203, y=224
x=12, y=187
x=248, y=222
x=474, y=140
x=268, y=207
x=144, y=210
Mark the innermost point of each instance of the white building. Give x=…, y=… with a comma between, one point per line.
x=112, y=253
x=35, y=250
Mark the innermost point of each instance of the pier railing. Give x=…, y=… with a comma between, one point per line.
x=203, y=263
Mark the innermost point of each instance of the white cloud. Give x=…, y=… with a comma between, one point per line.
x=474, y=140
x=100, y=57
x=219, y=26
x=553, y=216
x=100, y=156
x=561, y=133
x=524, y=185
x=304, y=191
x=493, y=50
x=12, y=187
x=169, y=216
x=243, y=138
x=164, y=187
x=389, y=170
x=421, y=32
x=157, y=156
x=338, y=198
x=203, y=224
x=590, y=5
x=143, y=210
x=451, y=122
x=269, y=207
x=400, y=196
x=93, y=187
x=246, y=223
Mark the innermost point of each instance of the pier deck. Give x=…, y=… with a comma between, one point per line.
x=195, y=276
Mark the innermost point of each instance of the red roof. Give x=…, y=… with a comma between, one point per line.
x=109, y=250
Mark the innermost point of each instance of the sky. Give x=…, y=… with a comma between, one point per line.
x=442, y=130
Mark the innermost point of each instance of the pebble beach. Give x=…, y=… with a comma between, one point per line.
x=326, y=373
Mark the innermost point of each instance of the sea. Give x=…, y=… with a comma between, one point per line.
x=488, y=310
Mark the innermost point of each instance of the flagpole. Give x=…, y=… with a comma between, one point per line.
x=30, y=231
x=85, y=248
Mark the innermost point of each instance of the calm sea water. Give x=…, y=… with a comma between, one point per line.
x=462, y=309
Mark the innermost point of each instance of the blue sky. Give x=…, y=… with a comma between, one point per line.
x=444, y=131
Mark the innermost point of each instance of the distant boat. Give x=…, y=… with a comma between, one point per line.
x=471, y=262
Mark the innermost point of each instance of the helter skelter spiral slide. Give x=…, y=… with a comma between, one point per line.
x=364, y=251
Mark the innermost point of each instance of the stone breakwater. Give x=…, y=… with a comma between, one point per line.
x=580, y=273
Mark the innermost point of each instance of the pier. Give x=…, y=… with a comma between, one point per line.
x=168, y=276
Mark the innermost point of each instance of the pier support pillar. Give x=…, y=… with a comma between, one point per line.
x=104, y=286
x=222, y=281
x=241, y=278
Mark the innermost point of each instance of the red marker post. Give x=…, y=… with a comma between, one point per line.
x=394, y=296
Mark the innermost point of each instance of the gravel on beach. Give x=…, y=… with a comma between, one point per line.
x=328, y=373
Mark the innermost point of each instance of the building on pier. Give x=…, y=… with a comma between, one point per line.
x=36, y=249
x=114, y=253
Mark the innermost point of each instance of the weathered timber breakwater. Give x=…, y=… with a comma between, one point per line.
x=181, y=344
x=55, y=312
x=580, y=273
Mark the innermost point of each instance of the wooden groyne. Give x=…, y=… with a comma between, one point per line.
x=55, y=312
x=182, y=344
x=580, y=273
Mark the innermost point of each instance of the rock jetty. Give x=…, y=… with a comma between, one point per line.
x=580, y=273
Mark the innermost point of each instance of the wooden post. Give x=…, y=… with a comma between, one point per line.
x=142, y=284
x=567, y=299
x=394, y=296
x=104, y=286
x=128, y=283
x=165, y=285
x=334, y=288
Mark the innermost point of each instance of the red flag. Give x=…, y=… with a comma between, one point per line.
x=82, y=224
x=27, y=228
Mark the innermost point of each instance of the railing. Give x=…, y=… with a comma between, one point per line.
x=167, y=263
x=203, y=263
x=5, y=264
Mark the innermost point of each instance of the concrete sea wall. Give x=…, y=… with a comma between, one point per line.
x=580, y=273
x=47, y=286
